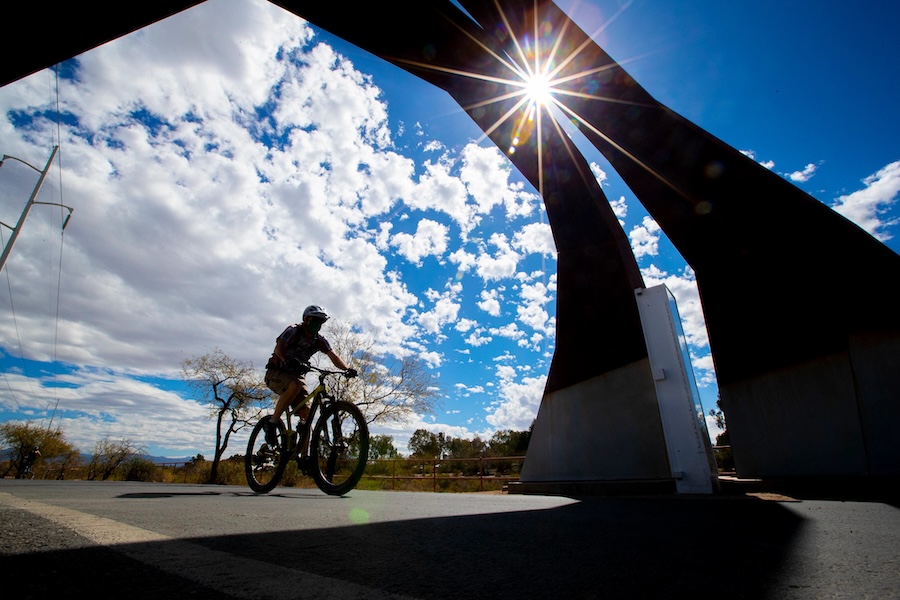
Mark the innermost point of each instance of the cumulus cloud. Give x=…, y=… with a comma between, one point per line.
x=535, y=238
x=804, y=175
x=599, y=173
x=769, y=164
x=490, y=302
x=485, y=172
x=645, y=238
x=535, y=295
x=502, y=263
x=444, y=310
x=429, y=239
x=620, y=209
x=519, y=400
x=867, y=206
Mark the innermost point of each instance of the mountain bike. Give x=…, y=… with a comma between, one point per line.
x=26, y=473
x=335, y=450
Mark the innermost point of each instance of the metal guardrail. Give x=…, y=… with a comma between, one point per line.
x=430, y=469
x=436, y=476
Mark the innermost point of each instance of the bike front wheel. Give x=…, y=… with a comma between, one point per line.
x=264, y=464
x=339, y=448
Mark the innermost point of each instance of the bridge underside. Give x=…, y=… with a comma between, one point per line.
x=805, y=339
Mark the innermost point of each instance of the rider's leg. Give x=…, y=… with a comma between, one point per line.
x=301, y=409
x=286, y=398
x=303, y=413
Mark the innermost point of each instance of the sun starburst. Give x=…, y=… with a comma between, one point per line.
x=534, y=69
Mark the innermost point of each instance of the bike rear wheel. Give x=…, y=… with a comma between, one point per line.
x=339, y=448
x=264, y=464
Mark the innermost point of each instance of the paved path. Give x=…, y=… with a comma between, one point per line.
x=139, y=540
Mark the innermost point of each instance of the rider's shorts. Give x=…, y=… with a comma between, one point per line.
x=278, y=381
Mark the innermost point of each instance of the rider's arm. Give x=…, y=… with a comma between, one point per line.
x=337, y=360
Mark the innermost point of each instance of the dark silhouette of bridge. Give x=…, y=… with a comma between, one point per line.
x=804, y=336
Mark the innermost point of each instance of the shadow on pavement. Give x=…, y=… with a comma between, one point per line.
x=644, y=547
x=596, y=548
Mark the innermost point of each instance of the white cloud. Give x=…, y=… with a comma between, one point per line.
x=185, y=221
x=534, y=296
x=464, y=325
x=519, y=400
x=464, y=259
x=620, y=209
x=440, y=190
x=535, y=238
x=430, y=239
x=500, y=265
x=645, y=238
x=444, y=311
x=599, y=174
x=769, y=164
x=485, y=171
x=95, y=404
x=510, y=331
x=431, y=358
x=804, y=175
x=490, y=302
x=865, y=207
x=478, y=338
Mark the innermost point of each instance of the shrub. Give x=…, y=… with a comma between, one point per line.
x=231, y=472
x=141, y=469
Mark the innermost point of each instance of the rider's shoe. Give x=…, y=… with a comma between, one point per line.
x=271, y=433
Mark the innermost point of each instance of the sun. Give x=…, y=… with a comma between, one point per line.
x=539, y=89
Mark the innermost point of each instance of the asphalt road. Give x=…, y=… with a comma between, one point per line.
x=68, y=539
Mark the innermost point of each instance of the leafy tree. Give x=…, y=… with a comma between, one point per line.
x=387, y=389
x=425, y=444
x=382, y=447
x=235, y=392
x=464, y=448
x=507, y=442
x=724, y=456
x=20, y=438
x=719, y=415
x=109, y=455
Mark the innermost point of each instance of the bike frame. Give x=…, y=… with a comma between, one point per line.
x=314, y=399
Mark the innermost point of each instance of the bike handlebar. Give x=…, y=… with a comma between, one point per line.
x=325, y=372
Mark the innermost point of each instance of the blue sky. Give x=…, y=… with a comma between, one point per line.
x=232, y=164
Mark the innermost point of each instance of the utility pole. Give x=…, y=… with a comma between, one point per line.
x=31, y=202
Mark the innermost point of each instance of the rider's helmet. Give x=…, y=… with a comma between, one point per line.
x=317, y=312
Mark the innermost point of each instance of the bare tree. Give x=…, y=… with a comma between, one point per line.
x=234, y=390
x=109, y=455
x=388, y=388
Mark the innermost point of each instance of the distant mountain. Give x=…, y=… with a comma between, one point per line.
x=9, y=454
